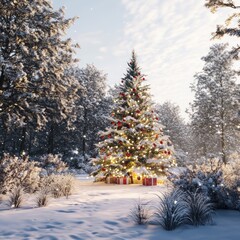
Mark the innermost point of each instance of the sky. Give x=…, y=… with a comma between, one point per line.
x=169, y=38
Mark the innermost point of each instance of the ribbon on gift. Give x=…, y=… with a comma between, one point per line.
x=123, y=180
x=150, y=181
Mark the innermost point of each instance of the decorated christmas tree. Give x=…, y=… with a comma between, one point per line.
x=134, y=142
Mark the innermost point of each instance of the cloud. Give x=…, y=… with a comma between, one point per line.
x=169, y=37
x=93, y=38
x=103, y=49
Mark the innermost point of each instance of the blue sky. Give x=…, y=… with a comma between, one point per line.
x=169, y=37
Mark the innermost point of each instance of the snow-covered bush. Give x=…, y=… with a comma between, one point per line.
x=16, y=197
x=17, y=171
x=140, y=212
x=59, y=185
x=78, y=161
x=231, y=171
x=200, y=209
x=42, y=198
x=206, y=178
x=209, y=179
x=53, y=164
x=171, y=210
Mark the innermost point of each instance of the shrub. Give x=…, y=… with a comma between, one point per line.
x=200, y=209
x=210, y=179
x=59, y=185
x=172, y=209
x=16, y=197
x=140, y=212
x=42, y=198
x=17, y=171
x=53, y=164
x=231, y=191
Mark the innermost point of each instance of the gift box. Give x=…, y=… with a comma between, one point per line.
x=136, y=178
x=111, y=180
x=123, y=180
x=160, y=181
x=149, y=181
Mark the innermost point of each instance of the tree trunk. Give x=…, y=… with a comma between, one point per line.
x=84, y=135
x=30, y=142
x=51, y=138
x=23, y=141
x=4, y=137
x=222, y=140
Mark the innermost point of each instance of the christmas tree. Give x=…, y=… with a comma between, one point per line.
x=135, y=141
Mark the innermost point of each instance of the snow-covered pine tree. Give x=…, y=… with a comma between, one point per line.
x=34, y=88
x=231, y=26
x=92, y=106
x=215, y=107
x=33, y=58
x=175, y=126
x=135, y=139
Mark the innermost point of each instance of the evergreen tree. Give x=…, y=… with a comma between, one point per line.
x=231, y=26
x=92, y=107
x=214, y=110
x=135, y=138
x=169, y=115
x=33, y=58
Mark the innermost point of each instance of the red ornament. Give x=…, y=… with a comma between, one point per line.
x=161, y=142
x=102, y=137
x=157, y=118
x=138, y=111
x=138, y=178
x=109, y=135
x=119, y=124
x=134, y=90
x=169, y=153
x=143, y=79
x=154, y=145
x=165, y=152
x=128, y=154
x=104, y=169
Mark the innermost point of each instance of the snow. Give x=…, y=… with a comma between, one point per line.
x=101, y=211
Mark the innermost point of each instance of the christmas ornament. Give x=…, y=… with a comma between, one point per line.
x=119, y=124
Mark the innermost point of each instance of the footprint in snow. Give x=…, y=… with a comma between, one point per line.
x=111, y=222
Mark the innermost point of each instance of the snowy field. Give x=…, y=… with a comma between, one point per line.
x=101, y=211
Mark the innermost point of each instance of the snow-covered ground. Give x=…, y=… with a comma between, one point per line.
x=101, y=211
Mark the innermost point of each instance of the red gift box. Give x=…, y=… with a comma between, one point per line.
x=110, y=180
x=149, y=181
x=123, y=180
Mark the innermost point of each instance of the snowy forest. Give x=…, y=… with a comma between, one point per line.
x=57, y=118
